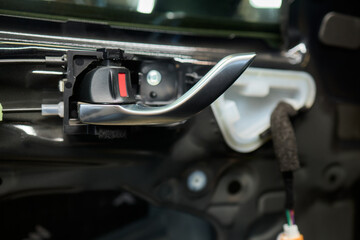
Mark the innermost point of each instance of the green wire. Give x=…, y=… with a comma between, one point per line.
x=288, y=217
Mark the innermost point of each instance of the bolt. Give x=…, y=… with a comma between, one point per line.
x=153, y=77
x=197, y=181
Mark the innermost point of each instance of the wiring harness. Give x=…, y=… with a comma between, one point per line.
x=285, y=148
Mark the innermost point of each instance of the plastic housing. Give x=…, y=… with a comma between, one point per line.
x=243, y=111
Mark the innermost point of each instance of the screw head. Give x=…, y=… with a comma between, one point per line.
x=153, y=77
x=197, y=181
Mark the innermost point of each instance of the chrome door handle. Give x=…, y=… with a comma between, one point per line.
x=201, y=95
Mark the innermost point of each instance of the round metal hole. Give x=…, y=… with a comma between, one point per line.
x=153, y=94
x=234, y=187
x=332, y=178
x=197, y=181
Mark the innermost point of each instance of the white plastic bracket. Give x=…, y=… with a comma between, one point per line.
x=243, y=111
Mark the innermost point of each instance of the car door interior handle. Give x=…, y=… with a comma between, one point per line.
x=201, y=95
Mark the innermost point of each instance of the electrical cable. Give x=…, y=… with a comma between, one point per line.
x=285, y=148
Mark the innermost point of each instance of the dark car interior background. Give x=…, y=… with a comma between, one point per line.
x=192, y=119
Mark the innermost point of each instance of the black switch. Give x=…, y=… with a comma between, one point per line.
x=106, y=84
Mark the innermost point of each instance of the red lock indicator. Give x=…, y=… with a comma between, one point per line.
x=122, y=85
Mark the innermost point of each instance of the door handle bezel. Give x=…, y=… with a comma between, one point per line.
x=201, y=95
